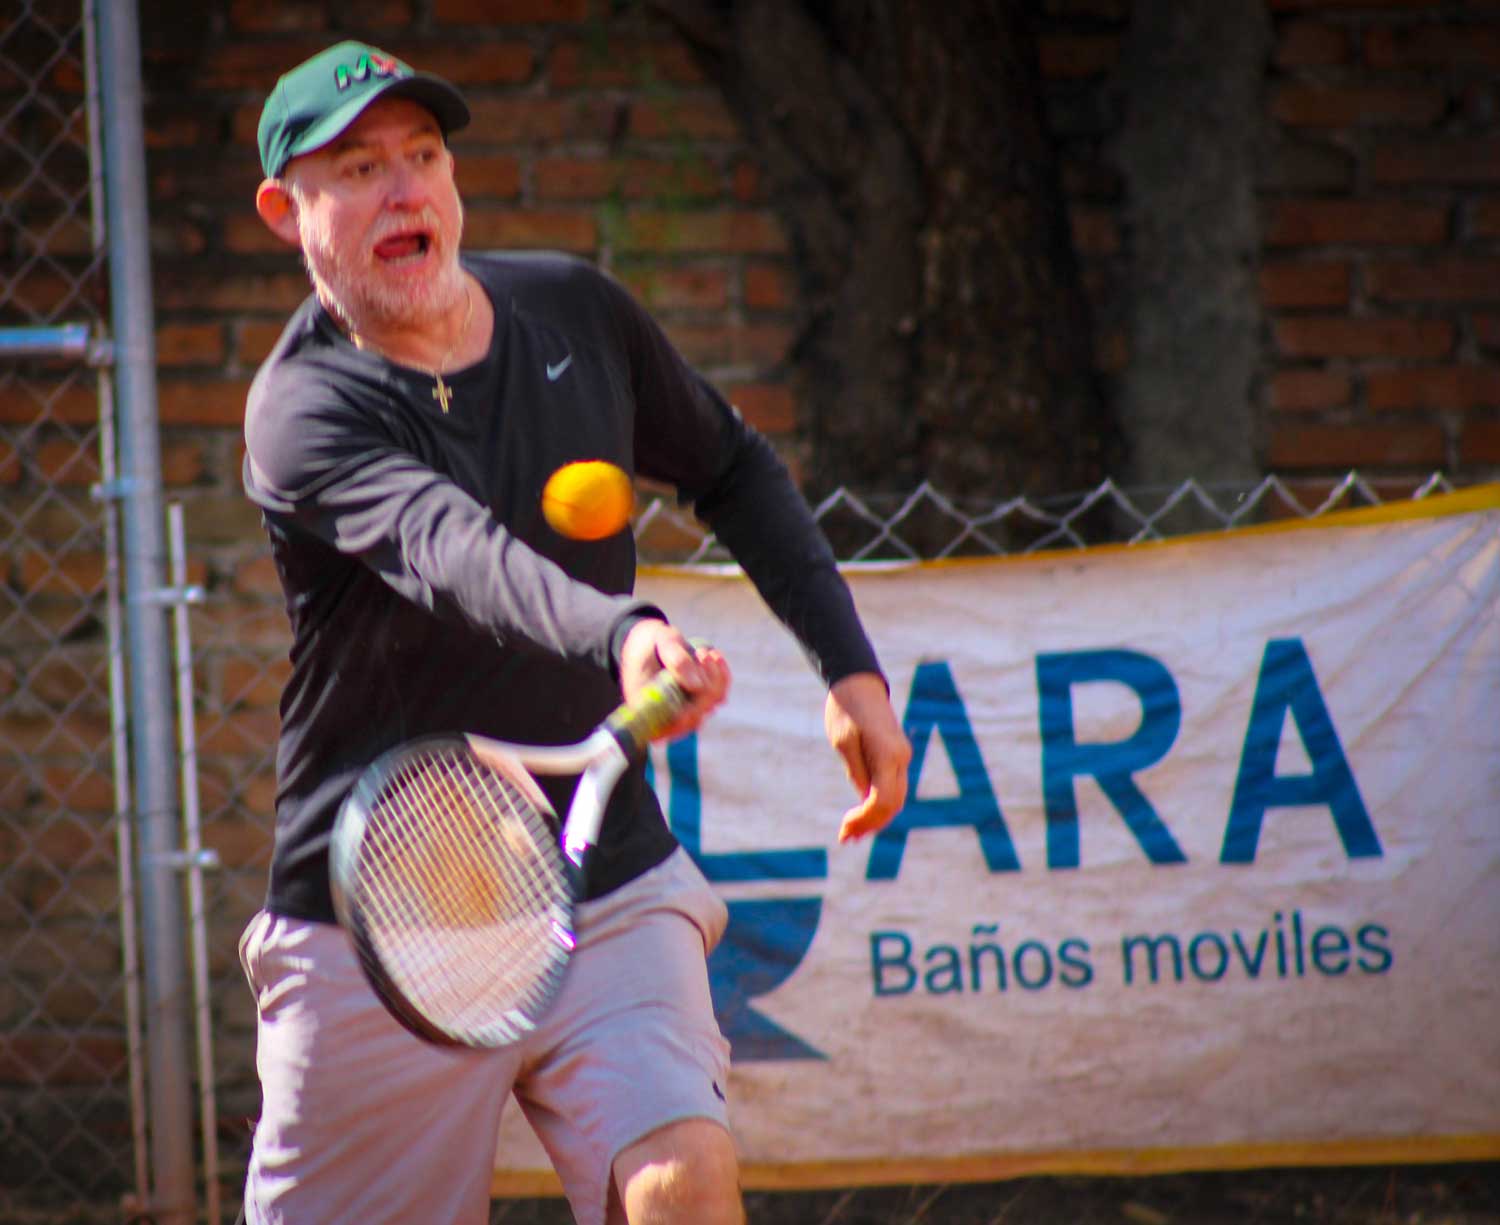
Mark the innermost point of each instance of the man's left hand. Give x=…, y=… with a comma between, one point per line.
x=863, y=729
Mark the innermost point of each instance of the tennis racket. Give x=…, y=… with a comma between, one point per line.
x=449, y=874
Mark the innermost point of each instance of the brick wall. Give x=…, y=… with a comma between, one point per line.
x=598, y=135
x=1380, y=269
x=1381, y=273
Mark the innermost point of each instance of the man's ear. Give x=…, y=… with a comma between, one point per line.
x=278, y=210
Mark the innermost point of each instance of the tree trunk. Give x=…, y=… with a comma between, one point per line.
x=946, y=337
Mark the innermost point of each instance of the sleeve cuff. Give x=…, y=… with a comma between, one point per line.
x=627, y=622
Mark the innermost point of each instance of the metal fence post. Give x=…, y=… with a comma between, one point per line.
x=151, y=716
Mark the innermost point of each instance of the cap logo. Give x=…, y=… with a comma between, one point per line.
x=365, y=66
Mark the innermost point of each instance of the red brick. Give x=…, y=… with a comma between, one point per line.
x=198, y=289
x=1437, y=387
x=493, y=176
x=691, y=117
x=32, y=732
x=244, y=233
x=1439, y=160
x=253, y=682
x=183, y=463
x=40, y=293
x=1311, y=44
x=747, y=232
x=251, y=730
x=170, y=129
x=1446, y=280
x=528, y=229
x=257, y=577
x=575, y=178
x=688, y=287
x=1307, y=390
x=769, y=407
x=239, y=626
x=1355, y=446
x=243, y=124
x=717, y=344
x=74, y=235
x=71, y=403
x=1433, y=45
x=761, y=344
x=250, y=64
x=189, y=344
x=476, y=62
x=65, y=76
x=176, y=238
x=1294, y=223
x=10, y=473
x=44, y=574
x=1335, y=106
x=701, y=344
x=632, y=179
x=56, y=1059
x=281, y=17
x=622, y=64
x=767, y=287
x=198, y=402
x=1336, y=336
x=517, y=120
x=1304, y=284
x=1073, y=56
x=65, y=463
x=232, y=174
x=296, y=16
x=77, y=791
x=1479, y=443
x=255, y=340
x=511, y=12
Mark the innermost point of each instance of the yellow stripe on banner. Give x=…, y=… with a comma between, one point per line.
x=1473, y=500
x=1419, y=1150
x=1460, y=502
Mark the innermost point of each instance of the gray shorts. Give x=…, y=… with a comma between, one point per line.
x=363, y=1123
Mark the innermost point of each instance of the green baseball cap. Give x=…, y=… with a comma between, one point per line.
x=322, y=96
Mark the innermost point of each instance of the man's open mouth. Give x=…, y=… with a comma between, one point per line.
x=403, y=247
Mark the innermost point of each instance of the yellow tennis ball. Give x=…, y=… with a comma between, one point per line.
x=588, y=500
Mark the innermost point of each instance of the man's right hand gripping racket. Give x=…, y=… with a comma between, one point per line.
x=448, y=875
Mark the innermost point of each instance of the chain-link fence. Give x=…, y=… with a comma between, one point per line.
x=928, y=525
x=66, y=1123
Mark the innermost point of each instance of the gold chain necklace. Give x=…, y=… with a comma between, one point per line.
x=441, y=392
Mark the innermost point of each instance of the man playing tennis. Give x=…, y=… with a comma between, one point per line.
x=398, y=438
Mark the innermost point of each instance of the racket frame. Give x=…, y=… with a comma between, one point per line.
x=599, y=760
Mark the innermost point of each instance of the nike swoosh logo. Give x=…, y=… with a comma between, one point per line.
x=555, y=372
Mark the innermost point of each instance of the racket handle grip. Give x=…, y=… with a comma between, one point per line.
x=639, y=722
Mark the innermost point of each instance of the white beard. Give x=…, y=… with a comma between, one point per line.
x=355, y=294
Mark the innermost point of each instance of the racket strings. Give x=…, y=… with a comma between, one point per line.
x=464, y=892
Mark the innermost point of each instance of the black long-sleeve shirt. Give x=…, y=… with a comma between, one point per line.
x=425, y=590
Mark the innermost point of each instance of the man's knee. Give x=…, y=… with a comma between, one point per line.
x=685, y=1173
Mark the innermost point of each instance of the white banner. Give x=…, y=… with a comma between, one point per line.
x=1200, y=866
